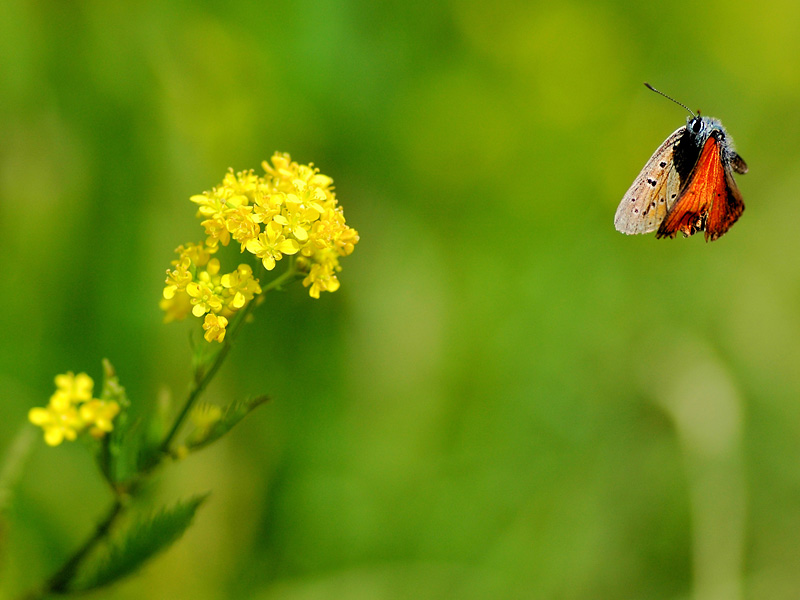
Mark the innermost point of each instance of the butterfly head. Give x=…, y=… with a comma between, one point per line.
x=696, y=124
x=699, y=129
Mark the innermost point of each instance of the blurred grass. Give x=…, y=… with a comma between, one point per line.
x=483, y=409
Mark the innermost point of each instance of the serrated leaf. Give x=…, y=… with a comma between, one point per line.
x=138, y=543
x=232, y=414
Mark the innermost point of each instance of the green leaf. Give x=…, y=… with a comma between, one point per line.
x=233, y=413
x=137, y=544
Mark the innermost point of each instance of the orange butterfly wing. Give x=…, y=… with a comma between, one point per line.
x=710, y=200
x=725, y=209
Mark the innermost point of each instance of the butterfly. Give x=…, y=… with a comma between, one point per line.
x=687, y=185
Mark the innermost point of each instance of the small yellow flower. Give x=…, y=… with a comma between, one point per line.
x=240, y=287
x=178, y=278
x=214, y=327
x=242, y=224
x=208, y=204
x=267, y=206
x=198, y=254
x=176, y=308
x=240, y=188
x=281, y=170
x=227, y=208
x=190, y=257
x=205, y=292
x=321, y=278
x=271, y=245
x=72, y=409
x=298, y=217
x=77, y=388
x=98, y=416
x=203, y=298
x=59, y=423
x=216, y=231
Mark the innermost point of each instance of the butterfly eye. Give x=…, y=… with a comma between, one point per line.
x=697, y=125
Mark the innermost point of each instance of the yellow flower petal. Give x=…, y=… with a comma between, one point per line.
x=39, y=416
x=253, y=246
x=289, y=247
x=300, y=233
x=53, y=436
x=193, y=289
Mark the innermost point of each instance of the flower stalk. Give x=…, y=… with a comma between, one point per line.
x=290, y=212
x=205, y=370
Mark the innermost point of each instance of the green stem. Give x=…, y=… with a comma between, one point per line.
x=59, y=583
x=290, y=273
x=203, y=375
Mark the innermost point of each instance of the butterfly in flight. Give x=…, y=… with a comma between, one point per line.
x=687, y=185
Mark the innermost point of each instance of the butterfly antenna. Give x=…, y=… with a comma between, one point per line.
x=650, y=87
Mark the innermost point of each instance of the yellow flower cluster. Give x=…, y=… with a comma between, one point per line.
x=72, y=409
x=290, y=210
x=195, y=285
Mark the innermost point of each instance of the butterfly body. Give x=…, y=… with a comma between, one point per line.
x=687, y=185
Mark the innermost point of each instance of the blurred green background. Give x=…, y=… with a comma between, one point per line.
x=507, y=398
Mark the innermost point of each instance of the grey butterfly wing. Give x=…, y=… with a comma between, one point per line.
x=652, y=193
